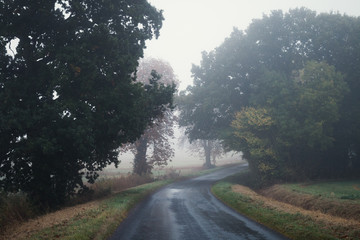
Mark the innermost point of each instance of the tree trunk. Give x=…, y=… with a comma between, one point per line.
x=207, y=150
x=140, y=165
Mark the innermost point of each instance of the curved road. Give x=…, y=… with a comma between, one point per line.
x=187, y=210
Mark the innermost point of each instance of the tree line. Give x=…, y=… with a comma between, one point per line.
x=284, y=92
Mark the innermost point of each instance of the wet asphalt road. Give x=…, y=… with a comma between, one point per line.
x=187, y=210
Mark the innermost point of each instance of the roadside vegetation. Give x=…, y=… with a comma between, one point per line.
x=92, y=216
x=18, y=208
x=299, y=211
x=284, y=92
x=101, y=220
x=332, y=190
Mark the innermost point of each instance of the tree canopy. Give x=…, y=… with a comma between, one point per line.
x=284, y=91
x=67, y=92
x=290, y=122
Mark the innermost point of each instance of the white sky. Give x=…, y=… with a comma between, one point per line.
x=193, y=26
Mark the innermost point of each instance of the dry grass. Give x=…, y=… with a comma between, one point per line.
x=117, y=184
x=18, y=219
x=344, y=209
x=23, y=230
x=104, y=189
x=15, y=208
x=341, y=227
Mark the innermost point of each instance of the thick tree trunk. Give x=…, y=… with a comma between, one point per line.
x=140, y=165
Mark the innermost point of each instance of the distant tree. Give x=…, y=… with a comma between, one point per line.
x=68, y=99
x=202, y=108
x=202, y=111
x=157, y=136
x=210, y=150
x=162, y=67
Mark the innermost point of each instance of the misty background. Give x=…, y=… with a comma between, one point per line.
x=191, y=27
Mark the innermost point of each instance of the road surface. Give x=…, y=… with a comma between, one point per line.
x=187, y=210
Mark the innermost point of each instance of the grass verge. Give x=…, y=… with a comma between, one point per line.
x=338, y=199
x=97, y=219
x=293, y=224
x=101, y=221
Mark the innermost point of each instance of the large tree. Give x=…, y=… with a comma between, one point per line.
x=67, y=93
x=229, y=77
x=290, y=122
x=154, y=148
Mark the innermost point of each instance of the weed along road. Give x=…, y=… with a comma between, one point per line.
x=187, y=210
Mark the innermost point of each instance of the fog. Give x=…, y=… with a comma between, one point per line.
x=184, y=157
x=191, y=27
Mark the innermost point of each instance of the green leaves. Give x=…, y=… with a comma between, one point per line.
x=154, y=147
x=299, y=67
x=253, y=129
x=321, y=90
x=70, y=91
x=281, y=122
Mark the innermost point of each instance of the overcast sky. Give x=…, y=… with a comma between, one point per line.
x=193, y=26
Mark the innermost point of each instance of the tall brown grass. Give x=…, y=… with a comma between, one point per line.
x=15, y=208
x=107, y=185
x=119, y=183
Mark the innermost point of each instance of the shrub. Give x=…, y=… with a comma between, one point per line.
x=15, y=208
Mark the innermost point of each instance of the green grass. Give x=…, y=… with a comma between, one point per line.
x=343, y=190
x=101, y=222
x=204, y=171
x=294, y=226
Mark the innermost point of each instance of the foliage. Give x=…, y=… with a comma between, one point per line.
x=156, y=137
x=291, y=122
x=253, y=130
x=201, y=106
x=199, y=117
x=297, y=71
x=68, y=98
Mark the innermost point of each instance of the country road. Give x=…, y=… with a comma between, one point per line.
x=187, y=210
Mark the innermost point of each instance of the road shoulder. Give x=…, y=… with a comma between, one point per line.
x=292, y=221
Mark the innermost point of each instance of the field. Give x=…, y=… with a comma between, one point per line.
x=338, y=199
x=341, y=190
x=326, y=210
